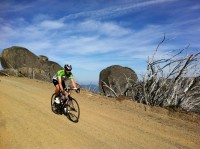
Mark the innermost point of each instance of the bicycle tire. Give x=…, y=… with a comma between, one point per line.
x=53, y=104
x=72, y=114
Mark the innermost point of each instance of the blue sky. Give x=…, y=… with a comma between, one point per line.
x=95, y=34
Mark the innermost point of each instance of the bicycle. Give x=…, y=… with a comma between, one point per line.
x=67, y=106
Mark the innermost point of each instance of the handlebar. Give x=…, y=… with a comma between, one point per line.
x=70, y=89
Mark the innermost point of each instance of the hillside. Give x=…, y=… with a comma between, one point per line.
x=27, y=122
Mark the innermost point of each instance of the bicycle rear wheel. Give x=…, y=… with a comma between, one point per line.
x=72, y=109
x=53, y=104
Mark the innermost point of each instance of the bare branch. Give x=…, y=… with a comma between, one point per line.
x=110, y=88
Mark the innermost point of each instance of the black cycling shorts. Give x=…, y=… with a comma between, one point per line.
x=55, y=82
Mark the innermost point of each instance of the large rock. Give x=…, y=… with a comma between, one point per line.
x=19, y=61
x=117, y=78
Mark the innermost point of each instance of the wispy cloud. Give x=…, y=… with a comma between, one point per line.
x=91, y=37
x=118, y=9
x=49, y=24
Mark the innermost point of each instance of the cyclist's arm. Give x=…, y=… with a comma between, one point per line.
x=73, y=83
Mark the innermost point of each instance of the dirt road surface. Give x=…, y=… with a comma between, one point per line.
x=27, y=122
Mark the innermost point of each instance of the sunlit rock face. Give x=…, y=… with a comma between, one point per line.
x=19, y=61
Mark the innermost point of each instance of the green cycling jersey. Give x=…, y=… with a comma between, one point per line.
x=63, y=75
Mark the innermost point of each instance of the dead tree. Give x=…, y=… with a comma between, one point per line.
x=172, y=81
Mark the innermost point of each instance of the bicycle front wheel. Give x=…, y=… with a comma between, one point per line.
x=72, y=109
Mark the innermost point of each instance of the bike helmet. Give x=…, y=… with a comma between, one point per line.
x=68, y=67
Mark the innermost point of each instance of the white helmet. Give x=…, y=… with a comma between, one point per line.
x=68, y=67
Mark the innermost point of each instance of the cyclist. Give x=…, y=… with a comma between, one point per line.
x=59, y=80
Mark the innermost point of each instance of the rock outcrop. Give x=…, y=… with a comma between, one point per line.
x=19, y=61
x=117, y=78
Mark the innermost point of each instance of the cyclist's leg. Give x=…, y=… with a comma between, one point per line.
x=54, y=104
x=55, y=82
x=64, y=86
